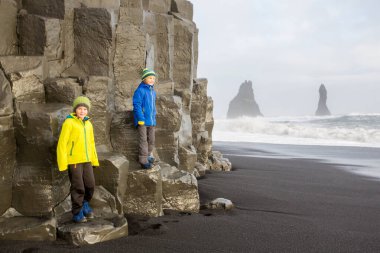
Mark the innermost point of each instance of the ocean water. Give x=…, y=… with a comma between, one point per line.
x=343, y=130
x=350, y=141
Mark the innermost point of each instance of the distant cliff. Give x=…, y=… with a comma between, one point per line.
x=244, y=103
x=322, y=104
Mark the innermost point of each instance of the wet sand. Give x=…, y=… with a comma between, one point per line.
x=282, y=205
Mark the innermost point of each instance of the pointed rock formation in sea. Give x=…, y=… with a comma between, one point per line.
x=322, y=106
x=244, y=103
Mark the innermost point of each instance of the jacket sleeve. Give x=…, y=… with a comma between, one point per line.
x=62, y=145
x=137, y=105
x=94, y=157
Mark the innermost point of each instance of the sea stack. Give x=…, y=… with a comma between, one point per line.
x=322, y=106
x=244, y=103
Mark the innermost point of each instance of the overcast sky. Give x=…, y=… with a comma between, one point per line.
x=288, y=48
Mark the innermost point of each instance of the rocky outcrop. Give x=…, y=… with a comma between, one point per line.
x=244, y=103
x=52, y=51
x=322, y=103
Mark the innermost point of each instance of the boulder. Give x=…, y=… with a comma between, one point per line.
x=112, y=174
x=220, y=203
x=8, y=161
x=98, y=89
x=95, y=231
x=8, y=23
x=219, y=163
x=39, y=36
x=28, y=229
x=244, y=104
x=179, y=189
x=38, y=186
x=62, y=90
x=93, y=36
x=6, y=100
x=144, y=193
x=322, y=110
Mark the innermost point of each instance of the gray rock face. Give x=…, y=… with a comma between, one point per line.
x=112, y=174
x=6, y=101
x=45, y=8
x=8, y=21
x=37, y=184
x=179, y=189
x=322, y=103
x=62, y=90
x=244, y=103
x=144, y=193
x=40, y=36
x=35, y=229
x=7, y=161
x=93, y=40
x=97, y=48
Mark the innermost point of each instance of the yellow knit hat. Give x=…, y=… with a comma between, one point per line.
x=81, y=101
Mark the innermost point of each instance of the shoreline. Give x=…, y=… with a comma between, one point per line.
x=282, y=205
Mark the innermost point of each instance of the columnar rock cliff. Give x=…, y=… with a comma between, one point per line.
x=54, y=50
x=244, y=103
x=322, y=110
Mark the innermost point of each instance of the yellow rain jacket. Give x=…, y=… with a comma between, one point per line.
x=76, y=143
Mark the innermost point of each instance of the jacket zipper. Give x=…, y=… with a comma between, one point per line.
x=151, y=95
x=85, y=139
x=72, y=147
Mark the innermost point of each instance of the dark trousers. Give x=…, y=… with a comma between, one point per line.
x=146, y=142
x=82, y=185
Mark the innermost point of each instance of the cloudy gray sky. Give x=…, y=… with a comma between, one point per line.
x=288, y=48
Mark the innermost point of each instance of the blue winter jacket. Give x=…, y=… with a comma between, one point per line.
x=144, y=104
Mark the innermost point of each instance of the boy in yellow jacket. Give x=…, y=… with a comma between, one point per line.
x=76, y=152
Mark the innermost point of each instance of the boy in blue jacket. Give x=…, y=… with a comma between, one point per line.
x=144, y=112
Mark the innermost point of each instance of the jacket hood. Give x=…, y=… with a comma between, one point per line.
x=74, y=116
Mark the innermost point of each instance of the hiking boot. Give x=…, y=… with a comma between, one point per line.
x=151, y=159
x=79, y=217
x=147, y=166
x=87, y=210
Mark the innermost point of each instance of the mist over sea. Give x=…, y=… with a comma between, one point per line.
x=352, y=141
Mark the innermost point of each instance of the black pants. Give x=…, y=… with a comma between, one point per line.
x=82, y=184
x=146, y=142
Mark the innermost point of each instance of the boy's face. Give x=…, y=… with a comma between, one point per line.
x=150, y=80
x=81, y=112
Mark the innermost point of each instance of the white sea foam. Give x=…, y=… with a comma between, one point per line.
x=340, y=130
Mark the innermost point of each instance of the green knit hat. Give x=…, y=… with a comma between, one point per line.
x=147, y=72
x=81, y=101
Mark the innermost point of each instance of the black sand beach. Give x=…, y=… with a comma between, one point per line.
x=282, y=205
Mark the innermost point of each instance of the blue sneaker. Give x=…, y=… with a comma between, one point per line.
x=79, y=217
x=151, y=159
x=147, y=166
x=87, y=210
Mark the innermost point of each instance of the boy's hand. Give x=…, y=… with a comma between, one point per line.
x=141, y=123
